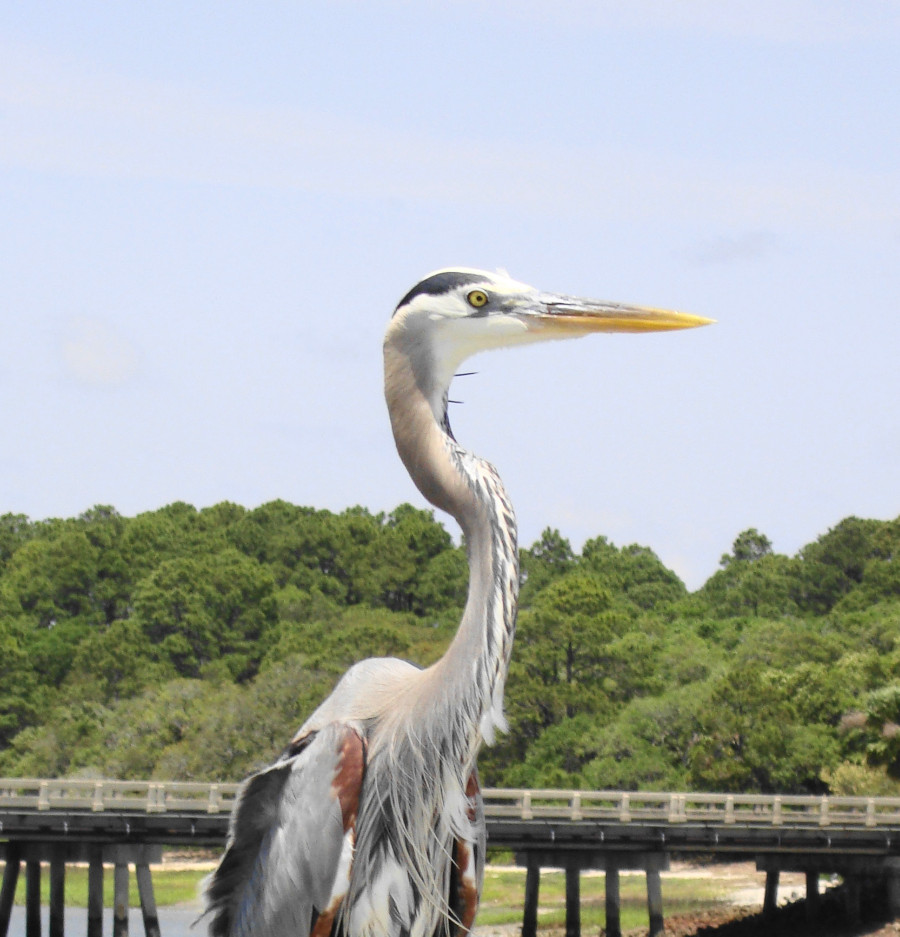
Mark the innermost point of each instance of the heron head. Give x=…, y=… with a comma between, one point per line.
x=454, y=313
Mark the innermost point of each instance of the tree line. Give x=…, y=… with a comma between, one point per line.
x=190, y=644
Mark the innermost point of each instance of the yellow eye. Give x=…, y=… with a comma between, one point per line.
x=477, y=298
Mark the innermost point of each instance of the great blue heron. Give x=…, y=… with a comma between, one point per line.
x=371, y=822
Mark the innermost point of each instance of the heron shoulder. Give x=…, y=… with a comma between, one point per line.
x=364, y=693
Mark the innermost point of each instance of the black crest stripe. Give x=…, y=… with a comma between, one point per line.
x=441, y=283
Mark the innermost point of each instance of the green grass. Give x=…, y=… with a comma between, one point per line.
x=501, y=903
x=169, y=886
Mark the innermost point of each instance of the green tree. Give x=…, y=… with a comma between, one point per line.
x=135, y=735
x=762, y=587
x=751, y=739
x=342, y=637
x=63, y=741
x=546, y=559
x=882, y=727
x=748, y=547
x=215, y=607
x=634, y=572
x=558, y=755
x=649, y=744
x=114, y=663
x=391, y=567
x=15, y=530
x=51, y=578
x=835, y=563
x=18, y=682
x=299, y=545
x=113, y=582
x=443, y=584
x=684, y=657
x=558, y=671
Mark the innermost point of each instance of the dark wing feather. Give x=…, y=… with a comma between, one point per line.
x=291, y=824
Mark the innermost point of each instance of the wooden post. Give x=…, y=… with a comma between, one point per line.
x=33, y=898
x=812, y=895
x=148, y=902
x=654, y=902
x=10, y=880
x=120, y=900
x=95, y=893
x=57, y=891
x=852, y=895
x=770, y=901
x=892, y=885
x=573, y=899
x=532, y=887
x=613, y=921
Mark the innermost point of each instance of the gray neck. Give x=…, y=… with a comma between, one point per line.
x=470, y=677
x=416, y=803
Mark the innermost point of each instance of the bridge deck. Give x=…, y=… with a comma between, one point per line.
x=126, y=822
x=184, y=812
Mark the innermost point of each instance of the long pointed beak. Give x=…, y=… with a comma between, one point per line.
x=564, y=316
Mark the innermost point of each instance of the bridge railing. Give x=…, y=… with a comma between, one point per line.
x=645, y=807
x=105, y=795
x=667, y=808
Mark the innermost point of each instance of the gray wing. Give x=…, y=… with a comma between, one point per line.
x=287, y=863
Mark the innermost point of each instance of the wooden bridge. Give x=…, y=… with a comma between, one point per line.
x=126, y=823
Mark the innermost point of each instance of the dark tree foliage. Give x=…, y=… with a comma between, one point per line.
x=635, y=572
x=546, y=560
x=836, y=563
x=749, y=545
x=15, y=529
x=187, y=643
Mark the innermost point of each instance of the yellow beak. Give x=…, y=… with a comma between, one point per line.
x=567, y=315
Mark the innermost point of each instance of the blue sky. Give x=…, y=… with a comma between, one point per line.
x=209, y=210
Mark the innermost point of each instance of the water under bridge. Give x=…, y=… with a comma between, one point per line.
x=126, y=823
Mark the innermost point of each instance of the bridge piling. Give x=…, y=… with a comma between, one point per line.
x=57, y=891
x=892, y=885
x=853, y=897
x=654, y=902
x=532, y=889
x=770, y=897
x=812, y=895
x=148, y=901
x=573, y=900
x=120, y=899
x=32, y=897
x=95, y=892
x=613, y=901
x=8, y=889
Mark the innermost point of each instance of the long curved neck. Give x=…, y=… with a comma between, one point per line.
x=471, y=675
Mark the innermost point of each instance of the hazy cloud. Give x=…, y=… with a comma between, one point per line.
x=728, y=249
x=63, y=117
x=797, y=21
x=95, y=353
